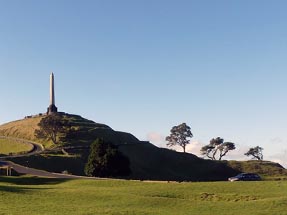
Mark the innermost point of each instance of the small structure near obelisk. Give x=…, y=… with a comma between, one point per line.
x=52, y=107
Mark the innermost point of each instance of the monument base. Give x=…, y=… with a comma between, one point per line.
x=52, y=109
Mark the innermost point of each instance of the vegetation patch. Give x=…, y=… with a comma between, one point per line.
x=105, y=160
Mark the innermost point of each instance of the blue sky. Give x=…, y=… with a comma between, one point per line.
x=143, y=66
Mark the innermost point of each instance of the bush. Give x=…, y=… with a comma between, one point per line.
x=105, y=160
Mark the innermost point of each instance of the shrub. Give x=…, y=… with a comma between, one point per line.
x=105, y=160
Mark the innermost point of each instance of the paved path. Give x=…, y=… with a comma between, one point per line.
x=37, y=148
x=36, y=172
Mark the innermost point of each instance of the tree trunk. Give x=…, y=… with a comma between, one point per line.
x=214, y=153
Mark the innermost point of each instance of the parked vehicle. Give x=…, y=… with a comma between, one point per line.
x=245, y=177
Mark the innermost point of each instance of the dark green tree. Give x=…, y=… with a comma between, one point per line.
x=50, y=127
x=255, y=152
x=217, y=148
x=105, y=160
x=179, y=135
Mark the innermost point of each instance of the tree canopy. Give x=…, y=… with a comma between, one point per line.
x=50, y=127
x=179, y=135
x=217, y=148
x=105, y=160
x=255, y=152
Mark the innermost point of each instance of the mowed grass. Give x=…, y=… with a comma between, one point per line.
x=14, y=147
x=54, y=196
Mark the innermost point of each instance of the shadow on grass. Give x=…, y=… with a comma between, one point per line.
x=14, y=189
x=33, y=180
x=57, y=164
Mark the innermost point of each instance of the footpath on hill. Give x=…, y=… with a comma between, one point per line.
x=37, y=149
x=36, y=172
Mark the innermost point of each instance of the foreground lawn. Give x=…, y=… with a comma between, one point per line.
x=53, y=196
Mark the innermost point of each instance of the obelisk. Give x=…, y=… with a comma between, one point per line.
x=52, y=107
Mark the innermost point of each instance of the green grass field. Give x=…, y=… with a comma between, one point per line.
x=54, y=196
x=11, y=146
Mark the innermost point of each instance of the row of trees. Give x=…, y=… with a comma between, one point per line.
x=215, y=150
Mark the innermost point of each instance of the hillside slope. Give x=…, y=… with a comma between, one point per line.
x=151, y=162
x=266, y=169
x=23, y=129
x=147, y=161
x=85, y=131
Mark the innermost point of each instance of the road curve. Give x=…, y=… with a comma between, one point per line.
x=37, y=148
x=40, y=173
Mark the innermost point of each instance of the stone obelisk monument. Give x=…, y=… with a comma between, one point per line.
x=52, y=107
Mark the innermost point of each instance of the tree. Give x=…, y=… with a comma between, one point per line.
x=256, y=152
x=105, y=160
x=179, y=136
x=217, y=148
x=50, y=127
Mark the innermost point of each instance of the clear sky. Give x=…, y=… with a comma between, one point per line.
x=143, y=66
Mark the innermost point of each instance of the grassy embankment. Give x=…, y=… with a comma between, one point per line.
x=13, y=147
x=23, y=129
x=266, y=169
x=51, y=196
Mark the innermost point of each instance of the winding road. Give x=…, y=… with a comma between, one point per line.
x=36, y=172
x=37, y=149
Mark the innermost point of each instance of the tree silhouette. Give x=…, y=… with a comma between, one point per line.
x=179, y=136
x=50, y=127
x=217, y=148
x=255, y=152
x=105, y=160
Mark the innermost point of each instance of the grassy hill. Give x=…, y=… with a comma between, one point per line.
x=148, y=162
x=23, y=129
x=31, y=196
x=85, y=131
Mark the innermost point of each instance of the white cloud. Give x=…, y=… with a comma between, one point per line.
x=156, y=139
x=238, y=153
x=193, y=148
x=277, y=140
x=280, y=158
